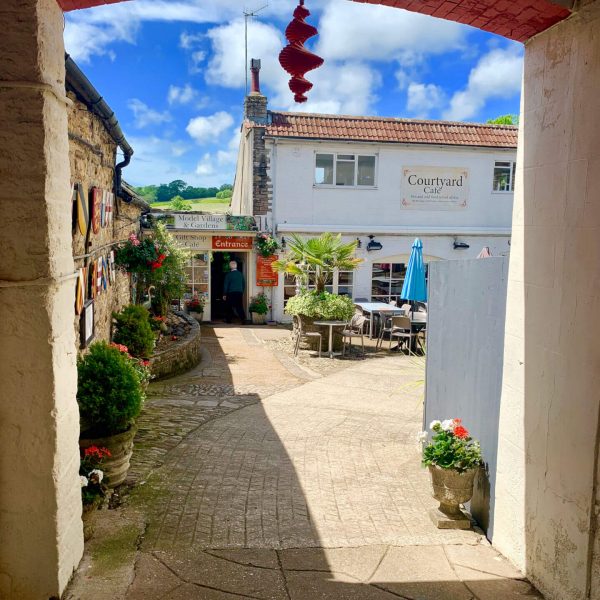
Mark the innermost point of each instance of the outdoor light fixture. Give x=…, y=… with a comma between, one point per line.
x=358, y=243
x=283, y=243
x=373, y=245
x=460, y=245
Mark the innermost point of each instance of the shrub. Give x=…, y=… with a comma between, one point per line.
x=451, y=447
x=133, y=330
x=109, y=391
x=323, y=305
x=259, y=304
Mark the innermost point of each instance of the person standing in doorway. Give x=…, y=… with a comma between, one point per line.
x=233, y=289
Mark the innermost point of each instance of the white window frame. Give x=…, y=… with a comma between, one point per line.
x=356, y=155
x=511, y=176
x=332, y=287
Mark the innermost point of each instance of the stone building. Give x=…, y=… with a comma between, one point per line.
x=94, y=140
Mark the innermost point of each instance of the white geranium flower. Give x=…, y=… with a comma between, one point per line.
x=422, y=437
x=434, y=424
x=84, y=481
x=96, y=475
x=447, y=425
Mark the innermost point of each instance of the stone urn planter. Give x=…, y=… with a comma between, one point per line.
x=197, y=315
x=258, y=319
x=121, y=448
x=451, y=489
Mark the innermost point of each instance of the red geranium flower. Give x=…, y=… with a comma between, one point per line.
x=460, y=432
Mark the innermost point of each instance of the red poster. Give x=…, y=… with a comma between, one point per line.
x=265, y=275
x=96, y=206
x=224, y=242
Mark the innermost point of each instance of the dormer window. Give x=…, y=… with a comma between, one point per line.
x=345, y=170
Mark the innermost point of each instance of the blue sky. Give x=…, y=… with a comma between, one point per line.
x=173, y=72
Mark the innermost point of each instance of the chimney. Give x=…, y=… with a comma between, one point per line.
x=255, y=104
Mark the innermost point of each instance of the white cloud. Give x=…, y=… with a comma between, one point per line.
x=181, y=95
x=205, y=167
x=354, y=31
x=197, y=58
x=207, y=129
x=422, y=98
x=187, y=41
x=84, y=40
x=496, y=75
x=144, y=115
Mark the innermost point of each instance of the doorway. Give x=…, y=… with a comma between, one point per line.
x=218, y=269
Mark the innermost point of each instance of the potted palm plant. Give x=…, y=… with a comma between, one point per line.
x=313, y=262
x=453, y=458
x=110, y=394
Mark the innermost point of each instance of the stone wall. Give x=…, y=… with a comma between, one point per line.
x=181, y=356
x=92, y=153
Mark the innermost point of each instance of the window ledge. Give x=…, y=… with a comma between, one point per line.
x=320, y=186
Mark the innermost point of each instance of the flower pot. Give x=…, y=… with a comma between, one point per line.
x=258, y=319
x=451, y=489
x=121, y=448
x=197, y=315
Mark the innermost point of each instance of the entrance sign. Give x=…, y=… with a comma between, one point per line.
x=204, y=222
x=435, y=188
x=220, y=242
x=265, y=275
x=193, y=241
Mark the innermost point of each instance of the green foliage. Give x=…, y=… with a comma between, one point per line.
x=266, y=244
x=109, y=391
x=451, y=447
x=178, y=203
x=133, y=329
x=223, y=194
x=321, y=305
x=170, y=281
x=319, y=256
x=166, y=191
x=259, y=304
x=137, y=256
x=504, y=120
x=147, y=192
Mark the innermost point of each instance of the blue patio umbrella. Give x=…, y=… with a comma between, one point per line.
x=415, y=286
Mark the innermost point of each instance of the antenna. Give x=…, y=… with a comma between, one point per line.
x=247, y=15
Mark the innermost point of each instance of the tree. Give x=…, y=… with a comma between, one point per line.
x=176, y=187
x=226, y=186
x=178, y=203
x=504, y=120
x=224, y=194
x=319, y=256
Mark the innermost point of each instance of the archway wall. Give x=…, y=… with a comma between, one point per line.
x=40, y=494
x=548, y=432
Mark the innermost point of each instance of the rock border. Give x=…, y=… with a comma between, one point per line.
x=183, y=355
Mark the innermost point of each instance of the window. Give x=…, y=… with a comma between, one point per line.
x=347, y=170
x=504, y=176
x=341, y=284
x=387, y=280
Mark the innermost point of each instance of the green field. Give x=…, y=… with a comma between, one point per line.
x=215, y=205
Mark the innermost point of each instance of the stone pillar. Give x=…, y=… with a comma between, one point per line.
x=548, y=435
x=40, y=498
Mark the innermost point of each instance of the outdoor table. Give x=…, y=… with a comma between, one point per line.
x=380, y=308
x=331, y=325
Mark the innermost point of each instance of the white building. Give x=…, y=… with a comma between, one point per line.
x=451, y=184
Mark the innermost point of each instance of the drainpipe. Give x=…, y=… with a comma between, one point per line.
x=84, y=89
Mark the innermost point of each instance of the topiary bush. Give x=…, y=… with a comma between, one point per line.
x=109, y=391
x=321, y=305
x=133, y=329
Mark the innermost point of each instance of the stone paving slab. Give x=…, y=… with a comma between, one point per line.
x=259, y=479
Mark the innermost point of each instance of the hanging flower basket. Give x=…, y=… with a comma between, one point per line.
x=266, y=244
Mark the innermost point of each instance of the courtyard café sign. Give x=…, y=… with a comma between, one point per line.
x=435, y=188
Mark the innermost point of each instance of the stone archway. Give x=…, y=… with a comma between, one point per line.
x=549, y=416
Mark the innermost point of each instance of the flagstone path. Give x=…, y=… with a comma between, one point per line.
x=257, y=477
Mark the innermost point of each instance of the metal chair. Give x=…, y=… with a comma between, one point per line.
x=401, y=328
x=299, y=332
x=354, y=329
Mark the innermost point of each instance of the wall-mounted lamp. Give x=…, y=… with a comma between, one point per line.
x=460, y=245
x=283, y=243
x=358, y=243
x=373, y=245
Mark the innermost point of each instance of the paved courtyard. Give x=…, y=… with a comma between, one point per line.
x=260, y=476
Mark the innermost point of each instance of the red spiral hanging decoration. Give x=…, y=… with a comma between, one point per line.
x=295, y=58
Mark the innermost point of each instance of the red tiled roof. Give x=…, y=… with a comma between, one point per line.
x=378, y=129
